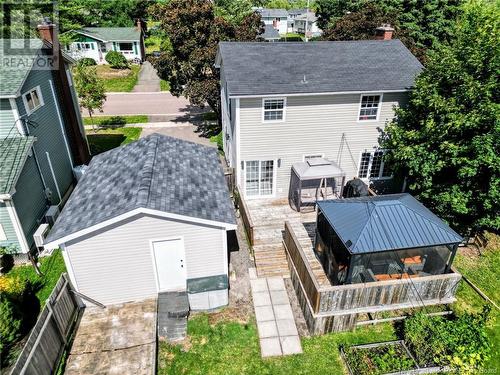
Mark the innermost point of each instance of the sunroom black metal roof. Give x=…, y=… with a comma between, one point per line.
x=386, y=222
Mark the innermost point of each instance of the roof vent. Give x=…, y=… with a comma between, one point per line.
x=304, y=79
x=348, y=243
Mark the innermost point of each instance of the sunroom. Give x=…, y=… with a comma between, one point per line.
x=388, y=237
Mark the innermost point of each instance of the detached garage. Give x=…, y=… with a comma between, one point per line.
x=149, y=217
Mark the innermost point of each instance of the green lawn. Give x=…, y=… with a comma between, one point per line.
x=128, y=119
x=233, y=348
x=106, y=139
x=483, y=272
x=52, y=267
x=118, y=80
x=164, y=85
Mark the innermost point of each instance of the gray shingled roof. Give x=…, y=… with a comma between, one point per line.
x=112, y=34
x=273, y=13
x=16, y=66
x=279, y=68
x=13, y=154
x=270, y=33
x=386, y=222
x=156, y=172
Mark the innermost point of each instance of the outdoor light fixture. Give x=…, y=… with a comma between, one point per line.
x=279, y=163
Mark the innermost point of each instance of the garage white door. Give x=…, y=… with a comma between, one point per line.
x=170, y=264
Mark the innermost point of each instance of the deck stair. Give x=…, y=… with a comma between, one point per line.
x=269, y=218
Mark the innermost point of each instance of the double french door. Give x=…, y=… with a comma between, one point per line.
x=259, y=178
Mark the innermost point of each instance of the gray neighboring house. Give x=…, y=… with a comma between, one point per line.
x=284, y=103
x=41, y=137
x=149, y=217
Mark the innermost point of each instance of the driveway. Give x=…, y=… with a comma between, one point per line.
x=148, y=79
x=120, y=339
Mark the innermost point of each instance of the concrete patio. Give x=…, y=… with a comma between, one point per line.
x=119, y=339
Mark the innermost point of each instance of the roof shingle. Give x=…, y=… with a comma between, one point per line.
x=110, y=34
x=349, y=66
x=156, y=172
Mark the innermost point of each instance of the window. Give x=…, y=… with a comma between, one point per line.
x=125, y=46
x=369, y=107
x=273, y=109
x=33, y=100
x=259, y=177
x=103, y=47
x=372, y=165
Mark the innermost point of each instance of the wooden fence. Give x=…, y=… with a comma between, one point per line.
x=246, y=218
x=336, y=308
x=49, y=336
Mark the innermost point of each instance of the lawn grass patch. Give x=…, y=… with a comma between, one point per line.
x=107, y=139
x=482, y=270
x=129, y=119
x=118, y=80
x=52, y=267
x=233, y=348
x=164, y=85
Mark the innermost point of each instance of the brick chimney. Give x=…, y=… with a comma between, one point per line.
x=384, y=32
x=47, y=31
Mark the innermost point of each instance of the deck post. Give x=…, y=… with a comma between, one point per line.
x=452, y=257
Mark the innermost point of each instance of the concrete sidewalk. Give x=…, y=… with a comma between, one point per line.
x=278, y=333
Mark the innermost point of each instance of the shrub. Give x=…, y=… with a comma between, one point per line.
x=10, y=325
x=116, y=60
x=218, y=139
x=13, y=287
x=86, y=61
x=113, y=122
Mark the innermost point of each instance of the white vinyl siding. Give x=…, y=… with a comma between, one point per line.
x=115, y=265
x=313, y=125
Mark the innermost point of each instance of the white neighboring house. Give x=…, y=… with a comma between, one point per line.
x=292, y=15
x=95, y=42
x=309, y=20
x=283, y=103
x=275, y=17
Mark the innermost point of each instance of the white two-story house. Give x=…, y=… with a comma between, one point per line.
x=284, y=103
x=275, y=17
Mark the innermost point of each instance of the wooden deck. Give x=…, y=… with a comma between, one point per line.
x=268, y=217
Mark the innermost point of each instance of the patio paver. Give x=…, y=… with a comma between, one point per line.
x=275, y=322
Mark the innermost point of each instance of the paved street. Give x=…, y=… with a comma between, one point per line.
x=147, y=103
x=186, y=131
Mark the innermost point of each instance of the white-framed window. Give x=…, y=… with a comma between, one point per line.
x=259, y=178
x=33, y=100
x=372, y=166
x=369, y=107
x=313, y=156
x=273, y=109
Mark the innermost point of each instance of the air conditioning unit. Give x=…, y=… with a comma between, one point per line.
x=40, y=234
x=52, y=214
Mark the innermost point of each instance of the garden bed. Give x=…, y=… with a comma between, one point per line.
x=384, y=358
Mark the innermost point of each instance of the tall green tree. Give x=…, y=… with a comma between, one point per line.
x=195, y=32
x=90, y=89
x=447, y=140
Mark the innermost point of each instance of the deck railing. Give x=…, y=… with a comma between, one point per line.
x=245, y=217
x=367, y=297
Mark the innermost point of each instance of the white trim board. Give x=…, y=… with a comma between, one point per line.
x=54, y=244
x=314, y=94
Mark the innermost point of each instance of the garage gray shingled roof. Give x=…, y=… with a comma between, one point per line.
x=280, y=68
x=156, y=172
